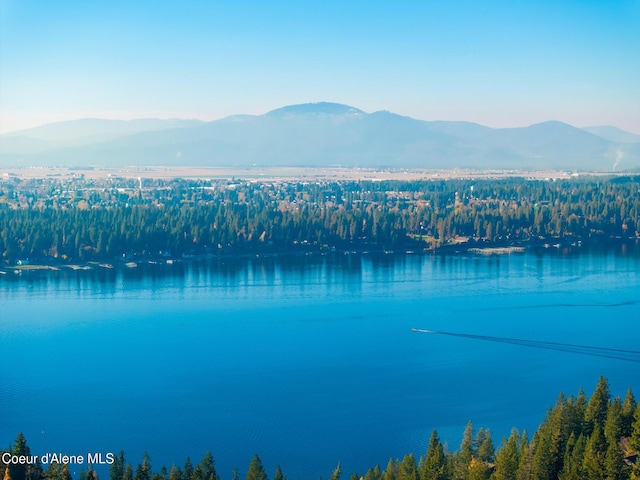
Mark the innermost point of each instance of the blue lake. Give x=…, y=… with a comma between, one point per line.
x=306, y=361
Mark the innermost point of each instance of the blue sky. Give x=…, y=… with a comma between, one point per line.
x=499, y=63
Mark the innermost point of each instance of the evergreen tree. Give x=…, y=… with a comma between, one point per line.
x=373, y=473
x=462, y=458
x=205, y=470
x=187, y=471
x=434, y=467
x=18, y=471
x=614, y=465
x=628, y=408
x=573, y=458
x=594, y=456
x=390, y=472
x=54, y=472
x=407, y=468
x=175, y=473
x=507, y=458
x=485, y=451
x=256, y=470
x=478, y=470
x=335, y=475
x=596, y=413
x=128, y=472
x=634, y=442
x=91, y=473
x=143, y=470
x=525, y=464
x=614, y=424
x=278, y=475
x=116, y=470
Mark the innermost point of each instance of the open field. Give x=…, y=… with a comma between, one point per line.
x=277, y=173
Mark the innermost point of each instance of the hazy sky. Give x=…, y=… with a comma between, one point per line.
x=499, y=63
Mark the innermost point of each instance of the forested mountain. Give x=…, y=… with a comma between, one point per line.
x=51, y=220
x=321, y=134
x=580, y=438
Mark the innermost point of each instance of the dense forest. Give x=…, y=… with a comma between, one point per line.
x=579, y=439
x=82, y=220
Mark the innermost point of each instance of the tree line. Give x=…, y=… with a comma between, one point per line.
x=580, y=438
x=184, y=218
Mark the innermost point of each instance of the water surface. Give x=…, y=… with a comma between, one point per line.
x=305, y=361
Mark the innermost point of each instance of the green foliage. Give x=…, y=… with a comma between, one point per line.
x=634, y=442
x=373, y=473
x=435, y=465
x=571, y=443
x=17, y=471
x=407, y=468
x=507, y=460
x=628, y=408
x=335, y=475
x=116, y=470
x=596, y=413
x=594, y=455
x=279, y=475
x=390, y=472
x=143, y=470
x=204, y=217
x=256, y=470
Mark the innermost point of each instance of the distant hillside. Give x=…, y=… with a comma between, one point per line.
x=320, y=134
x=613, y=134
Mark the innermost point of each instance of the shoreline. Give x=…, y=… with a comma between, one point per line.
x=144, y=264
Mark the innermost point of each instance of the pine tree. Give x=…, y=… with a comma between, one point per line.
x=614, y=424
x=116, y=470
x=634, y=442
x=187, y=471
x=205, y=470
x=434, y=467
x=462, y=458
x=175, y=473
x=128, y=472
x=54, y=472
x=614, y=465
x=478, y=470
x=390, y=472
x=594, y=455
x=335, y=475
x=18, y=471
x=373, y=473
x=407, y=468
x=628, y=408
x=256, y=470
x=485, y=451
x=143, y=470
x=525, y=463
x=278, y=475
x=507, y=458
x=596, y=413
x=466, y=447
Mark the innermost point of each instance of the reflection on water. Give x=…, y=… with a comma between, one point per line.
x=306, y=360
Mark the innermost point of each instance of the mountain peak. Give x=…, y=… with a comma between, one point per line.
x=319, y=108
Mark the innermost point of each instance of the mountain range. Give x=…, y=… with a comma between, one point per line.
x=319, y=135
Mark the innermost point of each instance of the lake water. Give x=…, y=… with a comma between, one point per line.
x=305, y=361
